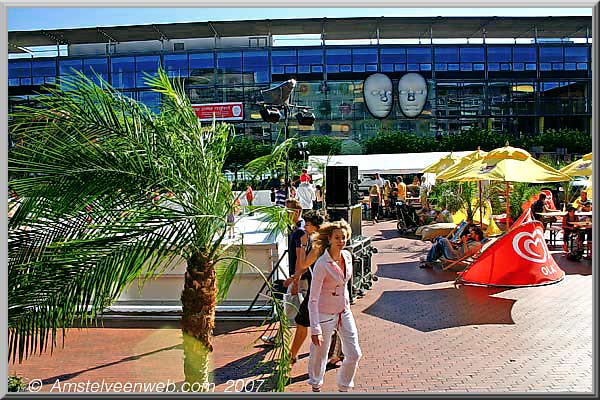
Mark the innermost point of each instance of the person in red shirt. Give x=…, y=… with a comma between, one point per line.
x=305, y=177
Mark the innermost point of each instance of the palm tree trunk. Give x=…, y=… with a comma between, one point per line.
x=199, y=299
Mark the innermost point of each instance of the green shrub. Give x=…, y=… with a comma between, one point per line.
x=16, y=384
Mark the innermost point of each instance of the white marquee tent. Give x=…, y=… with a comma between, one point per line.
x=393, y=164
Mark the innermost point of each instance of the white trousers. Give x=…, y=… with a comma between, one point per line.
x=350, y=348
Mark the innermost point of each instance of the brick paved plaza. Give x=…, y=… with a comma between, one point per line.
x=417, y=331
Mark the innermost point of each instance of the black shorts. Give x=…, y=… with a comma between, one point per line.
x=303, y=318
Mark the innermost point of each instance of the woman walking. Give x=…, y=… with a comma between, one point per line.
x=329, y=308
x=374, y=202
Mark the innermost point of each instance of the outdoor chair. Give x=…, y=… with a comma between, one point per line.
x=464, y=262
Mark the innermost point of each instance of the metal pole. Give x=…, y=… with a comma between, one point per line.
x=287, y=155
x=507, y=204
x=480, y=205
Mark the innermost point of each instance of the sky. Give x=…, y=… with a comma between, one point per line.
x=34, y=18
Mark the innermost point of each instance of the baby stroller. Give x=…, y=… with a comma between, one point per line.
x=408, y=220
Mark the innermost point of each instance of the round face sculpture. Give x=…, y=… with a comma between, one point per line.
x=377, y=91
x=412, y=93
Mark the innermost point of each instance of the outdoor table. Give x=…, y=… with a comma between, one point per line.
x=562, y=213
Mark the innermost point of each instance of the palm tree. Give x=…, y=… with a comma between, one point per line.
x=109, y=192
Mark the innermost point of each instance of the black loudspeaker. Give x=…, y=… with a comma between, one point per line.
x=341, y=186
x=352, y=215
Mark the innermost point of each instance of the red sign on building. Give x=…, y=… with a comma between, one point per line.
x=219, y=111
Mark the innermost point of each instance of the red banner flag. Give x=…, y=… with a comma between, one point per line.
x=219, y=111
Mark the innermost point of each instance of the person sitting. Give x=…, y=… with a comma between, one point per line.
x=469, y=245
x=569, y=228
x=539, y=206
x=581, y=201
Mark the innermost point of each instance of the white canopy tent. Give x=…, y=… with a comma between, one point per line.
x=393, y=164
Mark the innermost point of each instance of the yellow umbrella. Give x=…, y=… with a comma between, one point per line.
x=581, y=167
x=509, y=164
x=440, y=165
x=463, y=162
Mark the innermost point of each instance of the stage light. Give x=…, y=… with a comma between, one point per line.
x=305, y=118
x=271, y=115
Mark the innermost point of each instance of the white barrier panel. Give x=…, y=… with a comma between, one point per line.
x=261, y=198
x=262, y=248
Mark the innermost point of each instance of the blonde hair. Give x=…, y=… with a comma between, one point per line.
x=374, y=189
x=326, y=230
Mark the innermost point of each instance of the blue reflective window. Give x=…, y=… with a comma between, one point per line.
x=333, y=68
x=399, y=67
x=479, y=67
x=345, y=68
x=255, y=59
x=493, y=66
x=393, y=55
x=317, y=68
x=576, y=54
x=570, y=66
x=151, y=99
x=545, y=66
x=177, y=63
x=441, y=67
x=372, y=67
x=472, y=54
x=338, y=56
x=230, y=61
x=256, y=66
x=557, y=66
x=358, y=67
x=453, y=67
x=466, y=67
x=19, y=73
x=524, y=54
x=446, y=55
x=518, y=67
x=147, y=63
x=530, y=67
x=412, y=67
x=418, y=55
x=310, y=56
x=43, y=71
x=304, y=69
x=18, y=69
x=387, y=67
x=283, y=57
x=499, y=54
x=582, y=66
x=364, y=56
x=65, y=66
x=290, y=69
x=551, y=54
x=123, y=72
x=425, y=67
x=93, y=66
x=505, y=67
x=122, y=64
x=201, y=61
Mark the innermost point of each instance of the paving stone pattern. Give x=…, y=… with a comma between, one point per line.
x=418, y=333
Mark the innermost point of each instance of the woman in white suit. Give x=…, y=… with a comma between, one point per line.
x=329, y=307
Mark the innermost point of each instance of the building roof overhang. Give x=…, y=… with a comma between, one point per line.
x=332, y=28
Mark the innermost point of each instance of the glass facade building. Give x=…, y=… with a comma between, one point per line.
x=522, y=89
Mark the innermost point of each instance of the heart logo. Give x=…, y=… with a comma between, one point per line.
x=530, y=246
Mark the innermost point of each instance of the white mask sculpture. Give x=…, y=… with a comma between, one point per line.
x=377, y=90
x=412, y=93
